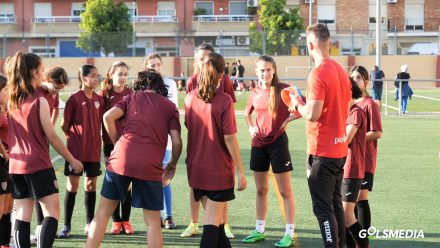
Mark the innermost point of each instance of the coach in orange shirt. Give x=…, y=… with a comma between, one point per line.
x=326, y=110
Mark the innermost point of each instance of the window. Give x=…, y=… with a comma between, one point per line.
x=7, y=13
x=414, y=17
x=42, y=10
x=46, y=52
x=166, y=51
x=166, y=8
x=372, y=13
x=326, y=13
x=209, y=6
x=77, y=9
x=132, y=8
x=238, y=8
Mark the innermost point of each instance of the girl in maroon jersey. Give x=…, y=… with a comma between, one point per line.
x=113, y=90
x=5, y=187
x=82, y=127
x=270, y=147
x=209, y=112
x=55, y=78
x=137, y=156
x=354, y=169
x=374, y=132
x=30, y=132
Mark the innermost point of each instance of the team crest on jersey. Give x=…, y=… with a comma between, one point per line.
x=97, y=104
x=4, y=185
x=55, y=183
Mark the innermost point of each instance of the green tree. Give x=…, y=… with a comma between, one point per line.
x=281, y=28
x=106, y=27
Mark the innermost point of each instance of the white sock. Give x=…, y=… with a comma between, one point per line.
x=290, y=229
x=260, y=226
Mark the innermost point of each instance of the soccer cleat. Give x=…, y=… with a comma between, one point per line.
x=128, y=229
x=228, y=232
x=286, y=241
x=190, y=231
x=116, y=228
x=65, y=232
x=86, y=229
x=254, y=237
x=169, y=223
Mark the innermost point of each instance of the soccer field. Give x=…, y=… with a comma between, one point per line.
x=405, y=196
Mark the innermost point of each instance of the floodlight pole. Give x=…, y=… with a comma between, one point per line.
x=378, y=40
x=310, y=24
x=133, y=17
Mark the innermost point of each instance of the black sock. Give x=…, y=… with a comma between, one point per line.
x=116, y=215
x=364, y=214
x=39, y=213
x=355, y=229
x=89, y=202
x=349, y=242
x=223, y=241
x=69, y=203
x=22, y=234
x=6, y=229
x=209, y=236
x=48, y=232
x=2, y=233
x=126, y=207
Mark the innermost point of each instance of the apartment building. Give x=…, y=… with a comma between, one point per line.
x=172, y=28
x=403, y=24
x=175, y=28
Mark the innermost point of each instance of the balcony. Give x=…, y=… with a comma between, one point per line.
x=8, y=24
x=234, y=23
x=413, y=25
x=155, y=24
x=55, y=24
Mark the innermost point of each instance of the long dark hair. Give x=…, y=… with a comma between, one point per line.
x=150, y=80
x=275, y=87
x=356, y=92
x=84, y=71
x=209, y=76
x=3, y=81
x=19, y=70
x=364, y=73
x=56, y=75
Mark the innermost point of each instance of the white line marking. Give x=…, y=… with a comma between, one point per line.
x=429, y=98
x=391, y=107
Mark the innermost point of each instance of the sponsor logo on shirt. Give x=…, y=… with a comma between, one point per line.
x=341, y=140
x=4, y=185
x=97, y=104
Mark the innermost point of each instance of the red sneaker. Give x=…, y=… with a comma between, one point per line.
x=127, y=227
x=116, y=228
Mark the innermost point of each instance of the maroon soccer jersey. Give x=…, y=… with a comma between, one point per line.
x=355, y=164
x=84, y=117
x=4, y=130
x=225, y=85
x=52, y=99
x=374, y=123
x=140, y=149
x=209, y=164
x=269, y=128
x=114, y=98
x=28, y=145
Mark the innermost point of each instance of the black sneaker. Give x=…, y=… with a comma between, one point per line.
x=169, y=224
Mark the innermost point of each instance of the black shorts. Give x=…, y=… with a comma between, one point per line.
x=276, y=154
x=36, y=185
x=4, y=177
x=367, y=183
x=91, y=169
x=215, y=195
x=108, y=148
x=350, y=189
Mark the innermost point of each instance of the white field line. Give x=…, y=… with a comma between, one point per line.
x=429, y=98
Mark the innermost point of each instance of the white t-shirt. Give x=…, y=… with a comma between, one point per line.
x=172, y=95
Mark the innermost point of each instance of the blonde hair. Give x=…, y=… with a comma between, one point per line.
x=209, y=76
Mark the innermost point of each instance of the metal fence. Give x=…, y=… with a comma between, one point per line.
x=238, y=42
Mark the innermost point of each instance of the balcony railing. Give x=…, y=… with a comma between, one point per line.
x=223, y=18
x=68, y=19
x=157, y=18
x=413, y=24
x=56, y=19
x=7, y=19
